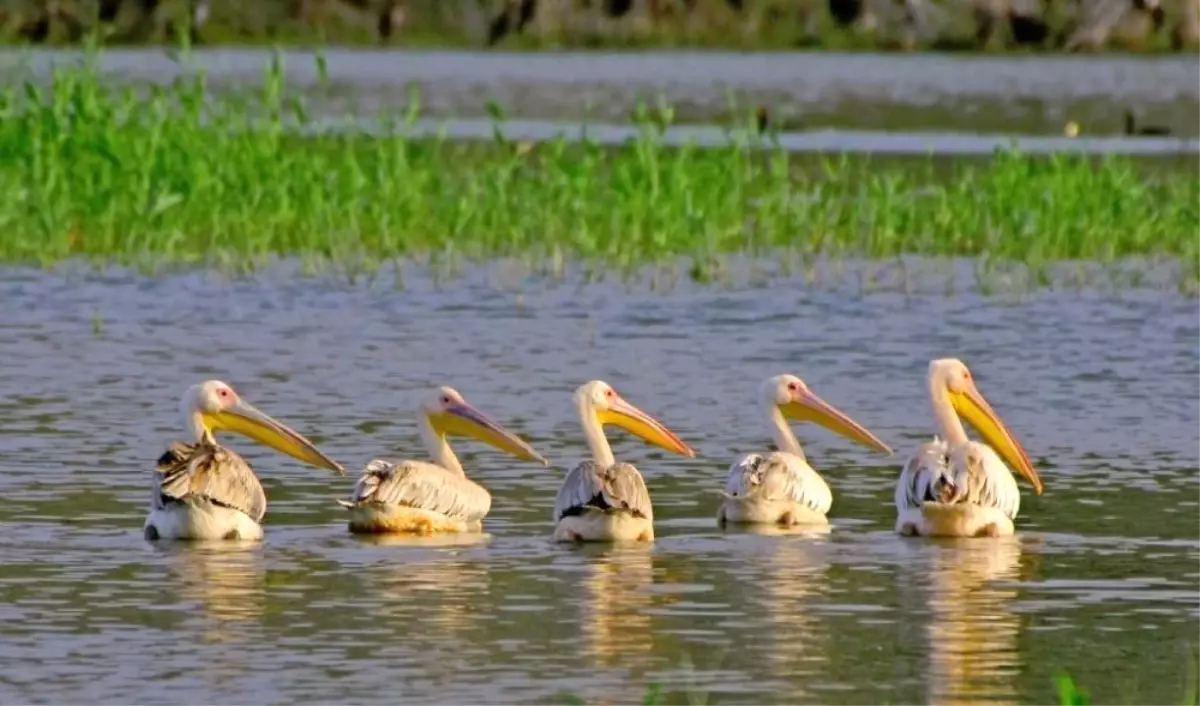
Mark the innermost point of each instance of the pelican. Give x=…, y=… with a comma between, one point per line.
x=417, y=497
x=781, y=488
x=955, y=487
x=203, y=490
x=602, y=500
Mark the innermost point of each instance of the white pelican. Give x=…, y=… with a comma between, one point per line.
x=955, y=487
x=602, y=500
x=781, y=488
x=417, y=497
x=203, y=490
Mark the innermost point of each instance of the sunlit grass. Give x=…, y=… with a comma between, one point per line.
x=177, y=175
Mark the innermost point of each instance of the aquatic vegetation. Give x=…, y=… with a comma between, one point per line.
x=1068, y=693
x=653, y=696
x=178, y=174
x=1071, y=694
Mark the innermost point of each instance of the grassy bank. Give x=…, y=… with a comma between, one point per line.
x=178, y=176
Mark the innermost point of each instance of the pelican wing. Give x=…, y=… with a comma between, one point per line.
x=209, y=472
x=778, y=476
x=617, y=488
x=968, y=473
x=924, y=471
x=987, y=480
x=425, y=486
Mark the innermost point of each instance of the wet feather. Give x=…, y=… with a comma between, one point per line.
x=420, y=485
x=207, y=472
x=618, y=488
x=970, y=472
x=780, y=477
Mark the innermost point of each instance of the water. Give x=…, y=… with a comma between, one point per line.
x=923, y=94
x=1100, y=581
x=902, y=144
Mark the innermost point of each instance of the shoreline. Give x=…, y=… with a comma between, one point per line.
x=794, y=92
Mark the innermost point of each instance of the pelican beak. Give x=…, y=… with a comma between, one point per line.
x=642, y=425
x=808, y=407
x=979, y=414
x=243, y=418
x=464, y=420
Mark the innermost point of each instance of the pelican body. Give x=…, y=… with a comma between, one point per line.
x=601, y=499
x=780, y=488
x=202, y=490
x=955, y=487
x=419, y=497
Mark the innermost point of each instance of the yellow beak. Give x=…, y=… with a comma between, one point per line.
x=979, y=414
x=242, y=418
x=808, y=407
x=643, y=426
x=464, y=420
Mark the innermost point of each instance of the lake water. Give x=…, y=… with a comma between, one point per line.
x=1101, y=580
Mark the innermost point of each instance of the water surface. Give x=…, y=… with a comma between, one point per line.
x=1101, y=580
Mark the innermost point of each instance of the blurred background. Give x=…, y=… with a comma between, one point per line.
x=907, y=25
x=1061, y=68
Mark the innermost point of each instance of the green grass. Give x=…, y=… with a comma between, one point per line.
x=174, y=175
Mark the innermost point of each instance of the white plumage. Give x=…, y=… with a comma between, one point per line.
x=431, y=497
x=420, y=497
x=204, y=491
x=953, y=486
x=602, y=499
x=618, y=488
x=780, y=488
x=957, y=491
x=603, y=503
x=924, y=475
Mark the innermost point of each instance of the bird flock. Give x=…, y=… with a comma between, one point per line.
x=950, y=486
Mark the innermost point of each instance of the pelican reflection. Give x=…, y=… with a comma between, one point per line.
x=788, y=577
x=617, y=598
x=973, y=630
x=434, y=590
x=226, y=580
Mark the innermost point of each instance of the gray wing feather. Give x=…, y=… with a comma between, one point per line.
x=209, y=472
x=745, y=476
x=425, y=486
x=985, y=478
x=778, y=476
x=618, y=488
x=968, y=473
x=927, y=467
